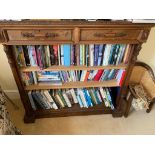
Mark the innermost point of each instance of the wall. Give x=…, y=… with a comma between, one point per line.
x=147, y=54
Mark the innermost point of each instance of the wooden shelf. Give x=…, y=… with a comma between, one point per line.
x=73, y=111
x=64, y=68
x=79, y=84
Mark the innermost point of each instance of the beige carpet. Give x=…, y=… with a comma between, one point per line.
x=136, y=123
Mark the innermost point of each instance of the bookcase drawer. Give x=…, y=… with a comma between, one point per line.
x=40, y=35
x=109, y=34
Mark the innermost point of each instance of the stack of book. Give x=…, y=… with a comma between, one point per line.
x=68, y=55
x=59, y=77
x=56, y=99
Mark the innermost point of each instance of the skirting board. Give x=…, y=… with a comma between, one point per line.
x=12, y=94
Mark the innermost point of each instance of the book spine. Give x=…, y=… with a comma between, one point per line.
x=98, y=75
x=77, y=50
x=67, y=99
x=100, y=53
x=55, y=48
x=31, y=100
x=81, y=55
x=91, y=53
x=96, y=53
x=67, y=54
x=52, y=56
x=74, y=95
x=62, y=55
x=26, y=56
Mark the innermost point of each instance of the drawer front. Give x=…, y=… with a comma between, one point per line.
x=108, y=35
x=39, y=35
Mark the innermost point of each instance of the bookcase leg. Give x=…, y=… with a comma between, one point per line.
x=29, y=118
x=117, y=113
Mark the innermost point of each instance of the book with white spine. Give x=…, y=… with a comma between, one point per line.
x=81, y=94
x=74, y=95
x=67, y=99
x=91, y=53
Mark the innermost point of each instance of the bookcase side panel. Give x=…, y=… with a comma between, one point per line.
x=29, y=113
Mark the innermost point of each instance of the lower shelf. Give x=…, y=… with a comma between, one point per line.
x=78, y=84
x=75, y=110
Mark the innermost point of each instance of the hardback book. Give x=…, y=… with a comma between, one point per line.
x=32, y=56
x=92, y=97
x=103, y=95
x=67, y=54
x=106, y=54
x=31, y=100
x=87, y=55
x=55, y=48
x=82, y=96
x=72, y=91
x=52, y=56
x=100, y=54
x=67, y=99
x=59, y=100
x=98, y=75
x=26, y=55
x=83, y=75
x=62, y=55
x=62, y=98
x=80, y=101
x=96, y=54
x=39, y=56
x=109, y=98
x=77, y=51
x=81, y=54
x=47, y=56
x=91, y=54
x=50, y=99
x=35, y=77
x=126, y=55
x=46, y=101
x=86, y=76
x=20, y=56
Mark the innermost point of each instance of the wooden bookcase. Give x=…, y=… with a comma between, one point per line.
x=47, y=32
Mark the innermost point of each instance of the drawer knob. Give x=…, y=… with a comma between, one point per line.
x=51, y=35
x=110, y=35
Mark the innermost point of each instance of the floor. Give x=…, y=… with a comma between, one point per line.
x=137, y=123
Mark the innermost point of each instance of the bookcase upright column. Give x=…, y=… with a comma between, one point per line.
x=29, y=113
x=121, y=104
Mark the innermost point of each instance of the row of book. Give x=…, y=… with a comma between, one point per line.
x=56, y=99
x=59, y=77
x=68, y=55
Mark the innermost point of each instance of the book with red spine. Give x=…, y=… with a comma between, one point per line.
x=122, y=78
x=55, y=48
x=98, y=75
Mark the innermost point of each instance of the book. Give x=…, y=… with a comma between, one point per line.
x=91, y=54
x=67, y=51
x=26, y=55
x=20, y=56
x=106, y=54
x=96, y=54
x=98, y=75
x=52, y=56
x=55, y=48
x=87, y=60
x=39, y=56
x=47, y=56
x=100, y=54
x=77, y=51
x=31, y=100
x=67, y=99
x=32, y=56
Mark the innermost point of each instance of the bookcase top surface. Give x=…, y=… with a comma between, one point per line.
x=67, y=22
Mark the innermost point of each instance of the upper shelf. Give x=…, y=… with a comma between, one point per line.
x=64, y=68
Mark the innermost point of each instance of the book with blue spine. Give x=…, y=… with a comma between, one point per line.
x=81, y=54
x=67, y=54
x=87, y=55
x=96, y=53
x=88, y=101
x=110, y=59
x=100, y=54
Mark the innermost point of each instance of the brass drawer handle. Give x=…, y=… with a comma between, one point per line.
x=39, y=35
x=27, y=35
x=51, y=35
x=110, y=35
